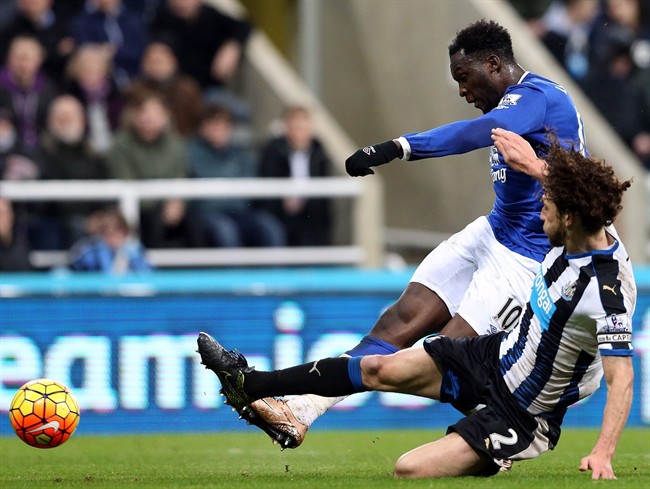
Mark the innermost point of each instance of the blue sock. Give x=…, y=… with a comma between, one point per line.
x=354, y=372
x=372, y=346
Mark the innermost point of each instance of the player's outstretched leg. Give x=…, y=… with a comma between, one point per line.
x=292, y=417
x=416, y=314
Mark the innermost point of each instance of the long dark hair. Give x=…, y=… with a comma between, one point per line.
x=581, y=185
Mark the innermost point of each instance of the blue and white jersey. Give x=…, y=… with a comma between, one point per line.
x=580, y=309
x=528, y=108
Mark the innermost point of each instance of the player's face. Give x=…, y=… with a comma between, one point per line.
x=476, y=81
x=554, y=226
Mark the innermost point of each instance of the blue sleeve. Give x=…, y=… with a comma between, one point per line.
x=82, y=260
x=522, y=112
x=140, y=264
x=137, y=259
x=91, y=255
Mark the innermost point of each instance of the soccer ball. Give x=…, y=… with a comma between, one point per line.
x=43, y=413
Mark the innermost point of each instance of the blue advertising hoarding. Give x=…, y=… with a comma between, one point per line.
x=126, y=346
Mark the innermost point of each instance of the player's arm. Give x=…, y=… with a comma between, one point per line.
x=455, y=138
x=619, y=376
x=524, y=116
x=518, y=153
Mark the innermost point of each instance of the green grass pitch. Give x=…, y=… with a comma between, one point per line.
x=328, y=459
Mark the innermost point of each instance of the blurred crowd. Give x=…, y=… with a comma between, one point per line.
x=605, y=46
x=148, y=89
x=135, y=90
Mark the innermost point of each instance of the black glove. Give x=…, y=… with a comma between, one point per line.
x=358, y=165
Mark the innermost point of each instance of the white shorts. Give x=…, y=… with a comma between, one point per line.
x=478, y=278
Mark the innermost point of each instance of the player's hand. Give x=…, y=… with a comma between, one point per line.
x=518, y=153
x=600, y=466
x=358, y=165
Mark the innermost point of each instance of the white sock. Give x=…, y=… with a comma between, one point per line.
x=307, y=408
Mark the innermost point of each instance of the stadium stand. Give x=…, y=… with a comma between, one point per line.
x=129, y=194
x=269, y=83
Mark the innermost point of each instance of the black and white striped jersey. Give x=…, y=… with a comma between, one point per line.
x=580, y=309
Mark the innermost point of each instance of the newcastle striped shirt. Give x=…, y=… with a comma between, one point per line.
x=580, y=309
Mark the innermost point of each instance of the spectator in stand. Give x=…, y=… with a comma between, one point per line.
x=146, y=147
x=25, y=89
x=16, y=161
x=109, y=22
x=37, y=18
x=90, y=81
x=605, y=46
x=641, y=143
x=210, y=43
x=568, y=25
x=298, y=154
x=531, y=11
x=623, y=22
x=159, y=71
x=618, y=81
x=230, y=222
x=68, y=156
x=111, y=247
x=14, y=245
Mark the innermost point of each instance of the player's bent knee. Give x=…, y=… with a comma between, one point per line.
x=396, y=326
x=374, y=372
x=417, y=313
x=407, y=467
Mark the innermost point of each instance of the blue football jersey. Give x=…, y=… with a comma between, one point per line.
x=530, y=108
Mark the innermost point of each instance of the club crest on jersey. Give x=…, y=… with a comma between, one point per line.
x=509, y=100
x=497, y=170
x=494, y=156
x=568, y=290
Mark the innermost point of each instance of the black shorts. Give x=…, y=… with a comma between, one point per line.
x=471, y=377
